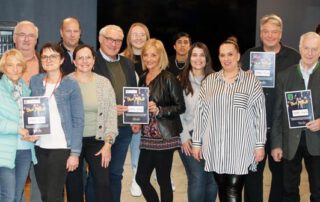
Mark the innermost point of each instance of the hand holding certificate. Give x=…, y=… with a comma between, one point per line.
x=136, y=99
x=299, y=108
x=36, y=116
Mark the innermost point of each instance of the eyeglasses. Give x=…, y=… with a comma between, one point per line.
x=24, y=35
x=111, y=40
x=51, y=57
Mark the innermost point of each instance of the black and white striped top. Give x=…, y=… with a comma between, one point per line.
x=230, y=122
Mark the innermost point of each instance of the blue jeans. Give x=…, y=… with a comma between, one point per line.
x=22, y=163
x=7, y=184
x=35, y=195
x=118, y=156
x=135, y=150
x=201, y=185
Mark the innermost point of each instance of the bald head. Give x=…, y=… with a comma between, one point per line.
x=70, y=32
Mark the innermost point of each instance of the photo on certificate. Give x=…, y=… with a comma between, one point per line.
x=262, y=65
x=299, y=108
x=137, y=99
x=36, y=115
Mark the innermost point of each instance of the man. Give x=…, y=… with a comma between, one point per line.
x=182, y=43
x=70, y=32
x=25, y=39
x=270, y=35
x=291, y=145
x=120, y=71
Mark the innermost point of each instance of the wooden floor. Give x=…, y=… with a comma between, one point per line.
x=179, y=178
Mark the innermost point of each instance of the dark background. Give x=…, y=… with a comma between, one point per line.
x=210, y=22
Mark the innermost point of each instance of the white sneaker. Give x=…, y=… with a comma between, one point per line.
x=173, y=186
x=135, y=189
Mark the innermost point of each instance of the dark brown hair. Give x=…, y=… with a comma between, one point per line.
x=56, y=48
x=184, y=75
x=81, y=46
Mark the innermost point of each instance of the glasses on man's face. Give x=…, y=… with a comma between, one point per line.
x=111, y=40
x=24, y=35
x=51, y=57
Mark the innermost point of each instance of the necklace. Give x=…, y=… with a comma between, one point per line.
x=180, y=67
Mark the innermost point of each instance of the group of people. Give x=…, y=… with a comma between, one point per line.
x=224, y=124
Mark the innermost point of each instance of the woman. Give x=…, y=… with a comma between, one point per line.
x=137, y=36
x=16, y=153
x=57, y=152
x=100, y=127
x=201, y=185
x=230, y=123
x=161, y=136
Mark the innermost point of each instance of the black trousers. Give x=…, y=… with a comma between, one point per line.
x=253, y=188
x=51, y=173
x=100, y=175
x=230, y=187
x=161, y=161
x=292, y=171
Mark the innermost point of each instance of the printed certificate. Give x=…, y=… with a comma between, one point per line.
x=299, y=108
x=137, y=99
x=262, y=64
x=36, y=115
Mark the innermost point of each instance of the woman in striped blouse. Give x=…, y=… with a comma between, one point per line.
x=230, y=123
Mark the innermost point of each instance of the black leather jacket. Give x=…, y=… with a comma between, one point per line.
x=166, y=92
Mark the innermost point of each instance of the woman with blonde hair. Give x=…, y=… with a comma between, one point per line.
x=160, y=138
x=16, y=147
x=137, y=36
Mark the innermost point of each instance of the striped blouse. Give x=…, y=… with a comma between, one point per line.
x=230, y=122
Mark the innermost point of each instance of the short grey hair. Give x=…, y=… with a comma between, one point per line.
x=111, y=27
x=26, y=22
x=273, y=18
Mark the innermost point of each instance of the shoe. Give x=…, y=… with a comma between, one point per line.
x=135, y=189
x=173, y=186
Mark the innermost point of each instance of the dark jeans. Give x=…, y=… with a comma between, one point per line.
x=161, y=161
x=51, y=173
x=201, y=185
x=230, y=187
x=292, y=171
x=118, y=156
x=253, y=188
x=100, y=175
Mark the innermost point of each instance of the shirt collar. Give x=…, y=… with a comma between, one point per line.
x=308, y=71
x=238, y=79
x=109, y=59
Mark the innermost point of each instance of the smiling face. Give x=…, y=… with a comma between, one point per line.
x=51, y=60
x=138, y=37
x=309, y=51
x=13, y=68
x=229, y=57
x=84, y=60
x=151, y=58
x=110, y=42
x=270, y=35
x=198, y=59
x=25, y=37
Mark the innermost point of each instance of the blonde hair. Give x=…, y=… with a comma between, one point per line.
x=15, y=53
x=26, y=22
x=272, y=18
x=106, y=28
x=128, y=52
x=158, y=45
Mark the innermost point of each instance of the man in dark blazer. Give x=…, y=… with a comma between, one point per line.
x=270, y=35
x=291, y=145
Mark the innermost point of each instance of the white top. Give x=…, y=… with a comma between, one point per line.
x=57, y=139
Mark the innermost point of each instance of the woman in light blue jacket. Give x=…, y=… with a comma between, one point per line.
x=16, y=147
x=57, y=152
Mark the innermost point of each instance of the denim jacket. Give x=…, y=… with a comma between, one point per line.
x=70, y=107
